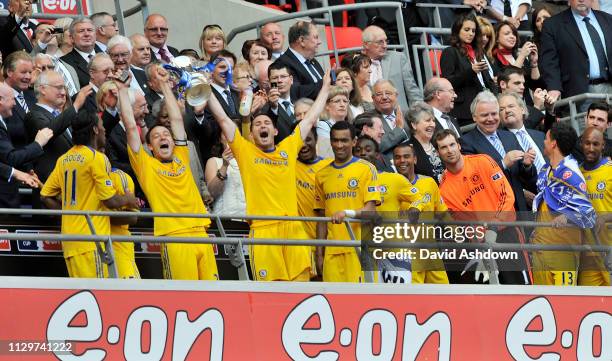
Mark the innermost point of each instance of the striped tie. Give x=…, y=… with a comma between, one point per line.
x=499, y=147
x=22, y=102
x=523, y=139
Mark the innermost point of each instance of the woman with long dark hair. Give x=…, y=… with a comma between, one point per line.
x=465, y=65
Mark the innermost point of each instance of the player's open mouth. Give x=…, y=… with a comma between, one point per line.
x=264, y=134
x=164, y=146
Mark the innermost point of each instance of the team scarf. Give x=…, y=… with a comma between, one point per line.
x=564, y=191
x=500, y=53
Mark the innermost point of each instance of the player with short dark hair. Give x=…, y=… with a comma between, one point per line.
x=562, y=200
x=265, y=169
x=348, y=187
x=165, y=177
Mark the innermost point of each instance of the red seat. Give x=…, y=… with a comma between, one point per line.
x=346, y=37
x=272, y=6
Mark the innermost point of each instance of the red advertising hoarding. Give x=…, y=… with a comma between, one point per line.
x=156, y=320
x=62, y=6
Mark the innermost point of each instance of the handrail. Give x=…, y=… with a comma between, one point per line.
x=572, y=103
x=329, y=10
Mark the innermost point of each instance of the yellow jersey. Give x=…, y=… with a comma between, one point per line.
x=394, y=189
x=268, y=178
x=170, y=188
x=599, y=192
x=428, y=197
x=81, y=178
x=123, y=184
x=305, y=182
x=349, y=186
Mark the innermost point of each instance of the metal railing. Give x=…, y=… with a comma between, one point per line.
x=256, y=25
x=573, y=102
x=239, y=260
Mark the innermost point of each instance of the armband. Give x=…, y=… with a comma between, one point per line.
x=180, y=142
x=350, y=213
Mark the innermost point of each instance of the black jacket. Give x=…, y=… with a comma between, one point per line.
x=302, y=80
x=79, y=64
x=563, y=58
x=12, y=38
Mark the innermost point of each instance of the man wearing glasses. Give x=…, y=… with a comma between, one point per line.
x=280, y=106
x=385, y=97
x=106, y=28
x=120, y=51
x=83, y=33
x=390, y=65
x=156, y=31
x=439, y=93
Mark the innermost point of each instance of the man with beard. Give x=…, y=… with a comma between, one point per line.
x=431, y=205
x=265, y=168
x=348, y=187
x=597, y=172
x=475, y=188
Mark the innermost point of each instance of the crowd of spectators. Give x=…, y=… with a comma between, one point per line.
x=500, y=85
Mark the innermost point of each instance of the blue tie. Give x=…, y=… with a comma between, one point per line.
x=599, y=48
x=523, y=139
x=22, y=102
x=497, y=144
x=287, y=105
x=230, y=102
x=55, y=113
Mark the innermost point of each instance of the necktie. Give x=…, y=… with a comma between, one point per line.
x=507, y=8
x=90, y=56
x=523, y=139
x=55, y=113
x=497, y=144
x=391, y=119
x=22, y=102
x=599, y=49
x=376, y=74
x=230, y=102
x=287, y=105
x=3, y=123
x=164, y=55
x=450, y=124
x=311, y=69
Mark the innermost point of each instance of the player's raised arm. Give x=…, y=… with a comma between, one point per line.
x=174, y=112
x=227, y=125
x=127, y=116
x=311, y=117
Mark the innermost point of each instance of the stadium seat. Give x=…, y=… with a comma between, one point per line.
x=346, y=37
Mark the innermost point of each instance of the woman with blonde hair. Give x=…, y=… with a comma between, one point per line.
x=487, y=33
x=346, y=79
x=107, y=96
x=211, y=41
x=336, y=110
x=64, y=40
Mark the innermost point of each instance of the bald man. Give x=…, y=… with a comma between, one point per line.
x=390, y=65
x=156, y=31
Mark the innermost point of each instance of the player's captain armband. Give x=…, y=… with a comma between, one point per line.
x=180, y=142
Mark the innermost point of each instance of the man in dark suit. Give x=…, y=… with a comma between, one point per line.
x=576, y=51
x=227, y=97
x=440, y=95
x=156, y=30
x=299, y=58
x=16, y=157
x=502, y=146
x=83, y=34
x=17, y=28
x=513, y=112
x=395, y=128
x=280, y=107
x=512, y=80
x=106, y=28
x=47, y=113
x=141, y=52
x=18, y=75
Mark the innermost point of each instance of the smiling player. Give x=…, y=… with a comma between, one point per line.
x=269, y=179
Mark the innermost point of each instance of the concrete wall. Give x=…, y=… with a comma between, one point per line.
x=186, y=18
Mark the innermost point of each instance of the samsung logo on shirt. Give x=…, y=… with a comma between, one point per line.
x=271, y=162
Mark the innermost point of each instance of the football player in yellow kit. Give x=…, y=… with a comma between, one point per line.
x=305, y=170
x=166, y=179
x=597, y=172
x=347, y=187
x=430, y=204
x=268, y=174
x=81, y=178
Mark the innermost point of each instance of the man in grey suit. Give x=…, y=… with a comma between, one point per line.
x=390, y=65
x=386, y=104
x=44, y=62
